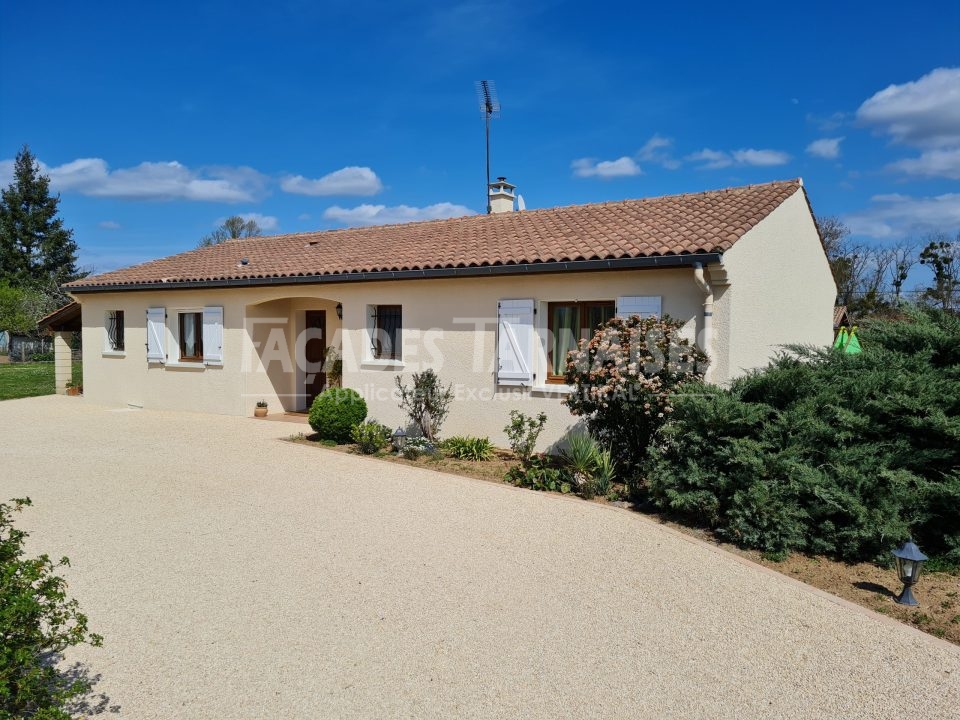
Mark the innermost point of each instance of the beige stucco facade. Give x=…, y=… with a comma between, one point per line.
x=774, y=287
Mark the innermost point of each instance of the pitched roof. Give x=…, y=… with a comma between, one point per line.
x=675, y=225
x=64, y=318
x=840, y=316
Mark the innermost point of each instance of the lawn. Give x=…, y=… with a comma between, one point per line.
x=30, y=379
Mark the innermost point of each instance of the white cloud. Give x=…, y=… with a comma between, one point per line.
x=303, y=216
x=267, y=223
x=383, y=215
x=108, y=225
x=932, y=163
x=151, y=181
x=657, y=150
x=826, y=148
x=760, y=158
x=712, y=159
x=924, y=113
x=346, y=181
x=605, y=169
x=716, y=159
x=896, y=216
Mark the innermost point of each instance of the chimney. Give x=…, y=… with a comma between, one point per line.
x=501, y=196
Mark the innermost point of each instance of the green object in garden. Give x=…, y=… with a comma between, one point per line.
x=853, y=344
x=841, y=342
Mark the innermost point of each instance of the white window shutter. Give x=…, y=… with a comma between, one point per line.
x=643, y=305
x=213, y=335
x=515, y=342
x=156, y=334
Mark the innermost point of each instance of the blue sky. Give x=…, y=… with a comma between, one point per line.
x=156, y=121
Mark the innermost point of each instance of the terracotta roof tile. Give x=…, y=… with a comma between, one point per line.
x=705, y=222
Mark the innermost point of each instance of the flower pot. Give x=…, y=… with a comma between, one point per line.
x=73, y=391
x=260, y=412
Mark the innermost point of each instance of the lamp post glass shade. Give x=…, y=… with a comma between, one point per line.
x=399, y=439
x=909, y=564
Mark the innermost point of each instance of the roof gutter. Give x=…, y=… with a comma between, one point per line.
x=639, y=263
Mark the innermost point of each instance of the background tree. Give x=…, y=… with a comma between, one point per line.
x=36, y=250
x=942, y=256
x=233, y=227
x=20, y=308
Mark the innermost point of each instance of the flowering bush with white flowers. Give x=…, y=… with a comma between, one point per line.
x=623, y=379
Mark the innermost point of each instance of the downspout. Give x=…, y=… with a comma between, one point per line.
x=707, y=344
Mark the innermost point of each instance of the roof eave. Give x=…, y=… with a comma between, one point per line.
x=637, y=263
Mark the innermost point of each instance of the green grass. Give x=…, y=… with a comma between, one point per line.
x=30, y=379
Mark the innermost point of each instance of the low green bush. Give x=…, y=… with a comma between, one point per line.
x=416, y=447
x=335, y=412
x=522, y=433
x=827, y=453
x=540, y=472
x=461, y=447
x=37, y=623
x=591, y=467
x=371, y=437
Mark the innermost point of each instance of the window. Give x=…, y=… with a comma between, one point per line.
x=114, y=326
x=567, y=324
x=191, y=336
x=386, y=338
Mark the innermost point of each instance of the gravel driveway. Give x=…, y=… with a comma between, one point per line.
x=236, y=576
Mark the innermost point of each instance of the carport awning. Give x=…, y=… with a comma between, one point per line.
x=66, y=318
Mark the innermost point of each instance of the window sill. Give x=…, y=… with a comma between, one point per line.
x=186, y=365
x=558, y=389
x=114, y=353
x=378, y=364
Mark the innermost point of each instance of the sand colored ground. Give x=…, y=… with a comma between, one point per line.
x=236, y=576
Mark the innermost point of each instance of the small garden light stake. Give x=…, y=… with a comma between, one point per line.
x=399, y=440
x=909, y=564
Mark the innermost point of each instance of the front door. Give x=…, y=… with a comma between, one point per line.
x=315, y=351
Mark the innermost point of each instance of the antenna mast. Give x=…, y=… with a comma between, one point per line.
x=490, y=108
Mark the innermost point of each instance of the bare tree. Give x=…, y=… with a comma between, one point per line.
x=233, y=227
x=904, y=257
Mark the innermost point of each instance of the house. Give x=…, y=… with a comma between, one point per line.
x=491, y=302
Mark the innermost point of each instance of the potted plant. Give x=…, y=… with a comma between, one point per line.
x=74, y=389
x=261, y=409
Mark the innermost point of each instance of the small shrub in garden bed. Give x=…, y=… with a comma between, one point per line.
x=522, y=432
x=371, y=437
x=335, y=412
x=591, y=467
x=416, y=447
x=540, y=472
x=426, y=403
x=476, y=449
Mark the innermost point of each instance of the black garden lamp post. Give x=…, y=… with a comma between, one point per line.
x=399, y=440
x=909, y=564
x=340, y=311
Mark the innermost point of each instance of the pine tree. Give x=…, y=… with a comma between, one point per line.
x=36, y=250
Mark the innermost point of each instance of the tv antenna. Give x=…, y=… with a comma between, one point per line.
x=490, y=108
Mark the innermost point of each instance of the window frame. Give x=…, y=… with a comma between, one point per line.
x=583, y=307
x=111, y=318
x=198, y=330
x=376, y=349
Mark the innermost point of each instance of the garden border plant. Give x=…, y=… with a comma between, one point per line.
x=624, y=379
x=38, y=622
